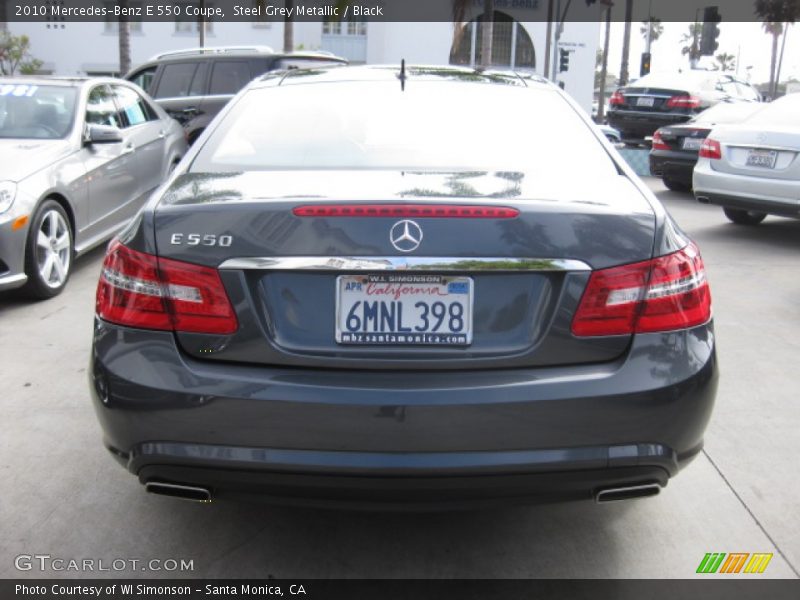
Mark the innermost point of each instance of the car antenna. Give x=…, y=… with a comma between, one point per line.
x=402, y=75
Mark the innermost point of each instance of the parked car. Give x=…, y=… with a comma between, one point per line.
x=675, y=147
x=389, y=303
x=78, y=157
x=612, y=135
x=752, y=169
x=193, y=85
x=661, y=99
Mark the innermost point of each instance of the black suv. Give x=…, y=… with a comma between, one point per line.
x=660, y=99
x=193, y=85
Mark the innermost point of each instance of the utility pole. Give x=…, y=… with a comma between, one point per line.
x=601, y=101
x=549, y=37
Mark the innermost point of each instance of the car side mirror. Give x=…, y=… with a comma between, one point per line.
x=102, y=134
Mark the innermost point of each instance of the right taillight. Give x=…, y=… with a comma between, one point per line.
x=710, y=149
x=616, y=99
x=141, y=290
x=658, y=142
x=663, y=294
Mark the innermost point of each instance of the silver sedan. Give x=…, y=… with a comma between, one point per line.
x=78, y=158
x=753, y=169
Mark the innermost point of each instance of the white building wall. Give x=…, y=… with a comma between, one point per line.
x=89, y=47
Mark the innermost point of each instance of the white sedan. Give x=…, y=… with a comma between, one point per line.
x=753, y=169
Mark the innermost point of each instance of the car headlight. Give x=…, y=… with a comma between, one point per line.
x=8, y=191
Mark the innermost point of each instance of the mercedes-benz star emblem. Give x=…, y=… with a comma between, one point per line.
x=406, y=235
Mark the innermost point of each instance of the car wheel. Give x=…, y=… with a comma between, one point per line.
x=676, y=185
x=744, y=217
x=48, y=251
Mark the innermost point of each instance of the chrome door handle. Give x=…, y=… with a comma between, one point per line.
x=162, y=134
x=129, y=149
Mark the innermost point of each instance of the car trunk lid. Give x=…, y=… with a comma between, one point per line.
x=518, y=278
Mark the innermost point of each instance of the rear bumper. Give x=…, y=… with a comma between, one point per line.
x=639, y=125
x=673, y=165
x=773, y=196
x=403, y=439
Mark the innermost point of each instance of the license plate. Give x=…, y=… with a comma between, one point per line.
x=762, y=158
x=645, y=101
x=404, y=310
x=692, y=143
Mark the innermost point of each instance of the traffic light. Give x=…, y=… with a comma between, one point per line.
x=645, y=68
x=563, y=60
x=708, y=40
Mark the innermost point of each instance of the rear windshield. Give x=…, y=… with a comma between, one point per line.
x=727, y=112
x=29, y=111
x=677, y=81
x=784, y=112
x=430, y=125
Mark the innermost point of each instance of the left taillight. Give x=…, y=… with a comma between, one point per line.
x=658, y=142
x=710, y=149
x=663, y=294
x=144, y=291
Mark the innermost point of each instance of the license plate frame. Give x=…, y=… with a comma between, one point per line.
x=762, y=159
x=690, y=143
x=397, y=296
x=646, y=101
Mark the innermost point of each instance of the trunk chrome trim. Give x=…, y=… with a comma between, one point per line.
x=403, y=263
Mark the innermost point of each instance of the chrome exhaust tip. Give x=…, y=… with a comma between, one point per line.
x=627, y=493
x=174, y=490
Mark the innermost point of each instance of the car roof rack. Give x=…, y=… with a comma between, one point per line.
x=214, y=50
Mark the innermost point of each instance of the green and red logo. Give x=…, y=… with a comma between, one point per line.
x=735, y=562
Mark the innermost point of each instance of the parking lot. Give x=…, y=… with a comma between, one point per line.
x=62, y=495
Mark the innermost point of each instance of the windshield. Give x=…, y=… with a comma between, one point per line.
x=430, y=125
x=36, y=111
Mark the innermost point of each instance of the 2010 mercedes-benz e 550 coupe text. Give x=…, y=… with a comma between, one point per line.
x=365, y=296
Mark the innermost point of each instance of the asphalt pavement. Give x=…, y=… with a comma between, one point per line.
x=61, y=494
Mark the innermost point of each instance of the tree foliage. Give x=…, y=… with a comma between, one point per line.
x=15, y=55
x=725, y=62
x=778, y=11
x=656, y=29
x=691, y=41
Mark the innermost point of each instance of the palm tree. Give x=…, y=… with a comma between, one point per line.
x=725, y=62
x=487, y=27
x=774, y=28
x=124, y=35
x=288, y=29
x=691, y=43
x=656, y=29
x=626, y=43
x=773, y=13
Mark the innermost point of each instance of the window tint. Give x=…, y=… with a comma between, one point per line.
x=198, y=87
x=229, y=76
x=100, y=108
x=144, y=78
x=133, y=107
x=427, y=126
x=176, y=80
